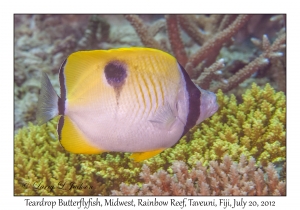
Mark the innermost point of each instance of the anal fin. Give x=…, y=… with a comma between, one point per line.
x=140, y=156
x=72, y=138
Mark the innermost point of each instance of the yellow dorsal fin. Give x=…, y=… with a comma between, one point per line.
x=73, y=140
x=140, y=156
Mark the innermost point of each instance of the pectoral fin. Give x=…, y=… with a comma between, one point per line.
x=140, y=156
x=165, y=118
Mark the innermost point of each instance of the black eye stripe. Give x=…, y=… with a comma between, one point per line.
x=63, y=92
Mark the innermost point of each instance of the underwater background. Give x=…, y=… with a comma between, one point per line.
x=240, y=150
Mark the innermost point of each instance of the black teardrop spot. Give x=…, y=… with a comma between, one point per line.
x=115, y=73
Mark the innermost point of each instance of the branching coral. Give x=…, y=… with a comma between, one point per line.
x=41, y=162
x=142, y=31
x=213, y=33
x=270, y=52
x=175, y=40
x=254, y=128
x=226, y=178
x=214, y=45
x=97, y=31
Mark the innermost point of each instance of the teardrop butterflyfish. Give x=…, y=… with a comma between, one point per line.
x=138, y=100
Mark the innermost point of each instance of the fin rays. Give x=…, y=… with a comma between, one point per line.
x=48, y=101
x=165, y=117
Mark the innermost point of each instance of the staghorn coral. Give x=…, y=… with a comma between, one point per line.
x=214, y=34
x=270, y=53
x=210, y=48
x=97, y=31
x=254, y=128
x=142, y=31
x=175, y=40
x=226, y=178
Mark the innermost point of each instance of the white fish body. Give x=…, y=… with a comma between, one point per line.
x=126, y=100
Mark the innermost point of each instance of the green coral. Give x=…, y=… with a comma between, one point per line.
x=256, y=128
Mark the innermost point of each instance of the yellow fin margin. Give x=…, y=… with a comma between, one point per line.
x=73, y=140
x=140, y=156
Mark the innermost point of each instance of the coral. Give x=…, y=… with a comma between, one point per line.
x=270, y=52
x=226, y=178
x=212, y=33
x=254, y=128
x=214, y=44
x=142, y=31
x=175, y=40
x=41, y=162
x=97, y=31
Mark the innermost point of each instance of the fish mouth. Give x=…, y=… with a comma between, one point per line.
x=215, y=108
x=215, y=105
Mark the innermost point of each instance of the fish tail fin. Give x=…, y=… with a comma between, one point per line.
x=48, y=101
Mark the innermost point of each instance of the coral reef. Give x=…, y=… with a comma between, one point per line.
x=226, y=52
x=212, y=33
x=226, y=178
x=254, y=128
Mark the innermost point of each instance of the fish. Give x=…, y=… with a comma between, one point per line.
x=138, y=100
